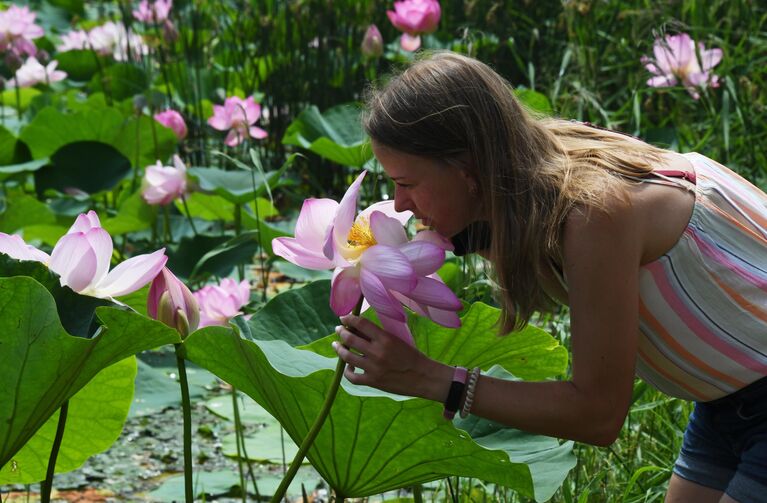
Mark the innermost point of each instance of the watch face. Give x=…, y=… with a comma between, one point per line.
x=476, y=237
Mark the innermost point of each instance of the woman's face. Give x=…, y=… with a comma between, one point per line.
x=438, y=193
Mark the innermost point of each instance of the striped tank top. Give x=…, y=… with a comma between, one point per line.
x=703, y=304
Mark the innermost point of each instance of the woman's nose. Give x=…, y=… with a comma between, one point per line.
x=401, y=201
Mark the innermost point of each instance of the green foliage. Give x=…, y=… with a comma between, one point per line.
x=94, y=422
x=105, y=168
x=133, y=215
x=22, y=210
x=336, y=135
x=120, y=81
x=44, y=366
x=419, y=445
x=79, y=65
x=237, y=187
x=138, y=139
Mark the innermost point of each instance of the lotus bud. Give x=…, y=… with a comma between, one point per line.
x=372, y=43
x=171, y=302
x=43, y=57
x=13, y=61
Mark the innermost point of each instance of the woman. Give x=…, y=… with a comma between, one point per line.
x=661, y=257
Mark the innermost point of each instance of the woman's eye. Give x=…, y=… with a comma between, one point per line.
x=403, y=185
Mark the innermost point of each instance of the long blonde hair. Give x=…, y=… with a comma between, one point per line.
x=530, y=171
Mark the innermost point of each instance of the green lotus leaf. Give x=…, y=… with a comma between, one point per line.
x=41, y=365
x=105, y=168
x=7, y=146
x=373, y=441
x=136, y=138
x=278, y=319
x=335, y=135
x=76, y=312
x=235, y=186
x=94, y=422
x=80, y=65
x=23, y=210
x=120, y=81
x=133, y=215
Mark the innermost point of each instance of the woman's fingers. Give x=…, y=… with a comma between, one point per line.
x=362, y=326
x=352, y=340
x=350, y=357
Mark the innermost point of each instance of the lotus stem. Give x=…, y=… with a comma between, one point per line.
x=166, y=224
x=237, y=432
x=188, y=214
x=45, y=490
x=417, y=493
x=279, y=494
x=186, y=407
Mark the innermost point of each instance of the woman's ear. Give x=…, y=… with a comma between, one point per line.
x=467, y=172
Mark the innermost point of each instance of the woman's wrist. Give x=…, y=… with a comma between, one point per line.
x=435, y=384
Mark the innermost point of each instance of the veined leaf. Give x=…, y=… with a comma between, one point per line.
x=374, y=441
x=42, y=366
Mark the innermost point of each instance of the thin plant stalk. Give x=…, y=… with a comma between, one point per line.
x=18, y=99
x=166, y=222
x=186, y=407
x=279, y=494
x=417, y=493
x=237, y=434
x=237, y=232
x=188, y=214
x=47, y=486
x=242, y=452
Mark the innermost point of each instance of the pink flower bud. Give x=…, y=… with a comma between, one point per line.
x=173, y=120
x=171, y=302
x=372, y=43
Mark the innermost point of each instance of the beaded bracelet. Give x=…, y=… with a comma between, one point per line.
x=470, y=388
x=453, y=400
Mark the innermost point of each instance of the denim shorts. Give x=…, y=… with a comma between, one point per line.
x=725, y=444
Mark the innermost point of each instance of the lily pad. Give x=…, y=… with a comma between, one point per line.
x=157, y=388
x=265, y=445
x=373, y=441
x=227, y=483
x=42, y=366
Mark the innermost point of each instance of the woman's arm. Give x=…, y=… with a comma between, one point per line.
x=602, y=254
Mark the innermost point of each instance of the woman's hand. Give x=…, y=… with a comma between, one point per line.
x=388, y=363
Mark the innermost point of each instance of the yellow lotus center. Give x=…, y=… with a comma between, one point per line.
x=360, y=235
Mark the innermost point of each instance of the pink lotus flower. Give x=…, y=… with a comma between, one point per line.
x=15, y=247
x=372, y=258
x=413, y=17
x=32, y=73
x=81, y=258
x=372, y=43
x=163, y=184
x=676, y=61
x=237, y=116
x=171, y=302
x=173, y=120
x=18, y=29
x=219, y=303
x=155, y=13
x=74, y=40
x=113, y=39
